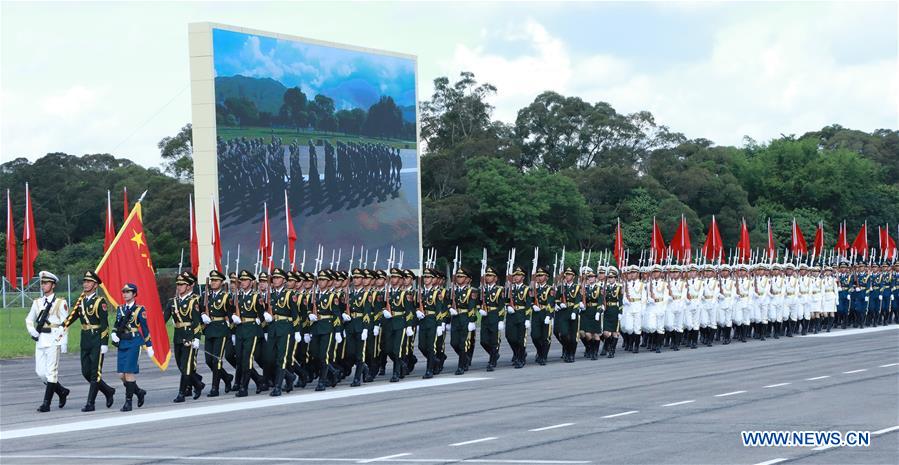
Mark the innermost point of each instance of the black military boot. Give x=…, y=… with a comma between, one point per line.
x=228, y=379
x=635, y=343
x=805, y=325
x=429, y=369
x=197, y=384
x=612, y=343
x=397, y=370
x=605, y=347
x=91, y=397
x=763, y=329
x=108, y=391
x=322, y=377
x=129, y=393
x=460, y=370
x=48, y=397
x=675, y=346
x=62, y=393
x=659, y=340
x=140, y=393
x=243, y=384
x=182, y=386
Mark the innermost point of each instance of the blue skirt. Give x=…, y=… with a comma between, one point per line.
x=127, y=359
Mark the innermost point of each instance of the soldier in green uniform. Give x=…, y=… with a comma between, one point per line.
x=543, y=306
x=462, y=318
x=411, y=323
x=215, y=308
x=326, y=309
x=612, y=312
x=184, y=310
x=246, y=317
x=394, y=322
x=591, y=324
x=430, y=307
x=378, y=298
x=443, y=319
x=302, y=295
x=357, y=328
x=92, y=312
x=569, y=303
x=493, y=312
x=281, y=312
x=262, y=354
x=518, y=317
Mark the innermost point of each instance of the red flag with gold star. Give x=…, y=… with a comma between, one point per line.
x=128, y=261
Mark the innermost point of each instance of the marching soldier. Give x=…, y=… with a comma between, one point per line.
x=326, y=310
x=569, y=304
x=394, y=322
x=656, y=305
x=543, y=306
x=518, y=317
x=492, y=313
x=215, y=309
x=674, y=311
x=430, y=305
x=411, y=323
x=131, y=333
x=591, y=320
x=634, y=301
x=443, y=319
x=612, y=298
x=44, y=323
x=357, y=328
x=184, y=310
x=462, y=314
x=281, y=312
x=245, y=314
x=378, y=302
x=91, y=310
x=693, y=304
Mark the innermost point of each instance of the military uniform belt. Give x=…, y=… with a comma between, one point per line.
x=247, y=320
x=357, y=314
x=89, y=327
x=325, y=317
x=182, y=325
x=281, y=317
x=397, y=312
x=218, y=318
x=492, y=309
x=430, y=312
x=519, y=307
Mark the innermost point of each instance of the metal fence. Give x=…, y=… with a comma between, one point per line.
x=23, y=293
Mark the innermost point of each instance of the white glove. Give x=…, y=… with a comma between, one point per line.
x=536, y=308
x=376, y=330
x=482, y=312
x=64, y=348
x=563, y=305
x=265, y=336
x=419, y=314
x=150, y=352
x=297, y=335
x=114, y=337
x=257, y=321
x=440, y=331
x=345, y=317
x=502, y=326
x=527, y=324
x=205, y=318
x=313, y=317
x=338, y=338
x=547, y=320
x=848, y=297
x=596, y=317
x=558, y=307
x=195, y=343
x=510, y=309
x=104, y=348
x=471, y=327
x=409, y=331
x=35, y=334
x=453, y=311
x=573, y=316
x=364, y=334
x=866, y=298
x=581, y=306
x=387, y=314
x=307, y=338
x=267, y=317
x=449, y=327
x=880, y=297
x=233, y=340
x=235, y=319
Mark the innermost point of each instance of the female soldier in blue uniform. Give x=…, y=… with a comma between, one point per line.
x=131, y=333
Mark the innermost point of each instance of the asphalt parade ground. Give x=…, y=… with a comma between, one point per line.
x=684, y=407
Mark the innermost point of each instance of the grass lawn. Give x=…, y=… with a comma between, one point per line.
x=288, y=135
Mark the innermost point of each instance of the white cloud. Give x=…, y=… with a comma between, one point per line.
x=72, y=102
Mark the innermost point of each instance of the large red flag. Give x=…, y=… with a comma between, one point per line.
x=713, y=247
x=291, y=234
x=265, y=240
x=680, y=243
x=842, y=245
x=125, y=206
x=744, y=250
x=860, y=244
x=10, y=244
x=109, y=228
x=818, y=246
x=619, y=245
x=216, y=240
x=798, y=246
x=657, y=244
x=887, y=245
x=772, y=247
x=194, y=242
x=128, y=261
x=29, y=239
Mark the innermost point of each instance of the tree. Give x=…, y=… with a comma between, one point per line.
x=177, y=154
x=293, y=109
x=384, y=119
x=456, y=112
x=321, y=113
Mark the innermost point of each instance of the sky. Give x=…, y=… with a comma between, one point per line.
x=82, y=77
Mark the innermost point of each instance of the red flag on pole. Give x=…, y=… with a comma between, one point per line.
x=772, y=248
x=619, y=245
x=265, y=240
x=216, y=240
x=842, y=245
x=713, y=247
x=128, y=261
x=860, y=244
x=744, y=250
x=29, y=239
x=798, y=246
x=657, y=244
x=818, y=246
x=887, y=245
x=194, y=242
x=109, y=229
x=291, y=234
x=125, y=204
x=10, y=244
x=680, y=243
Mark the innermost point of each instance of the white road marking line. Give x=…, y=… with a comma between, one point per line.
x=854, y=371
x=776, y=385
x=234, y=406
x=560, y=425
x=678, y=403
x=473, y=441
x=729, y=394
x=287, y=459
x=889, y=365
x=621, y=414
x=384, y=458
x=886, y=430
x=853, y=332
x=828, y=446
x=771, y=462
x=817, y=378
